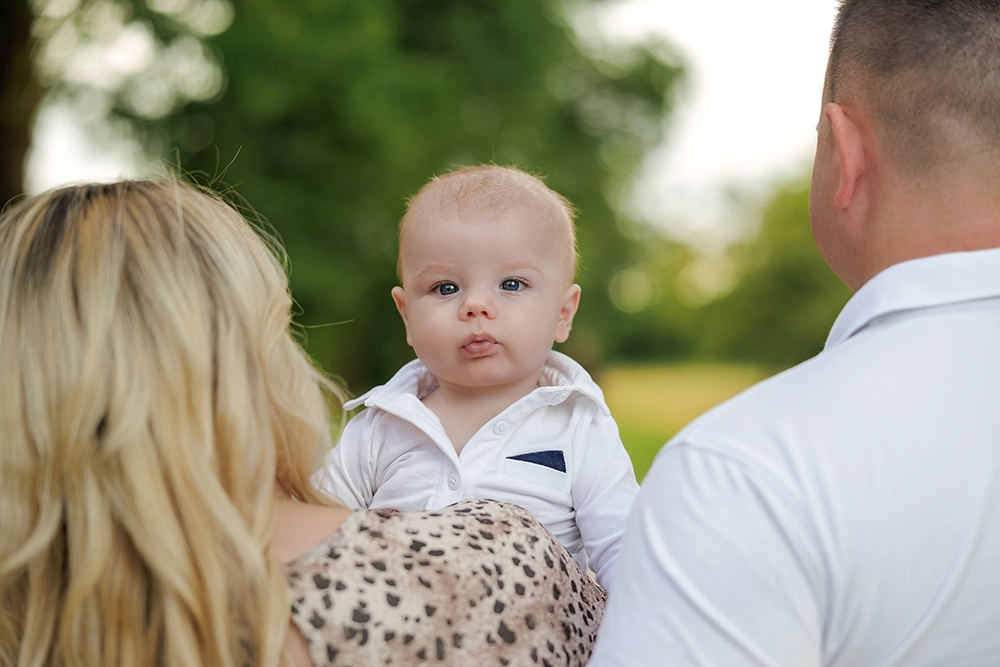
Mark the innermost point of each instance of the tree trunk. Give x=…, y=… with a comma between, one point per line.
x=20, y=94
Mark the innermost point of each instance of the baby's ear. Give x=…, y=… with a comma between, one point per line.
x=398, y=296
x=571, y=301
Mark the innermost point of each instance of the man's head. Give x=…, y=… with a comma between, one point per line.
x=911, y=99
x=486, y=260
x=927, y=72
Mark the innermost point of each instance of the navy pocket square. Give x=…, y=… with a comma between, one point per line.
x=550, y=458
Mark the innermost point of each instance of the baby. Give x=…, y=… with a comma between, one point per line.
x=487, y=257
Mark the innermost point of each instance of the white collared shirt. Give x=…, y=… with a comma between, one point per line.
x=556, y=452
x=843, y=513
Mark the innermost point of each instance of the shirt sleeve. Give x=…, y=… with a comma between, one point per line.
x=604, y=489
x=348, y=473
x=714, y=571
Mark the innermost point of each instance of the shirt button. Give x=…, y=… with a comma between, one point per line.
x=500, y=427
x=453, y=481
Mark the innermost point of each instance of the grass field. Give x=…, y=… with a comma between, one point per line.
x=651, y=403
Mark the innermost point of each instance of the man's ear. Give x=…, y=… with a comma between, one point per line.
x=571, y=301
x=397, y=296
x=851, y=153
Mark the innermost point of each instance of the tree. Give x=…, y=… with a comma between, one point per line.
x=786, y=299
x=110, y=60
x=327, y=115
x=20, y=93
x=340, y=111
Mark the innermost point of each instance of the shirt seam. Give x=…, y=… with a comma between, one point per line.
x=759, y=477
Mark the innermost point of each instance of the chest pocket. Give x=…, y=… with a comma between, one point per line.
x=546, y=468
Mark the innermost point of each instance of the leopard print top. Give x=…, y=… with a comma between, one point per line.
x=476, y=583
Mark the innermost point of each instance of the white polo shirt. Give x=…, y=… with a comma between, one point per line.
x=843, y=513
x=556, y=452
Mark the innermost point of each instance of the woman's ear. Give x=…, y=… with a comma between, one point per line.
x=398, y=296
x=571, y=301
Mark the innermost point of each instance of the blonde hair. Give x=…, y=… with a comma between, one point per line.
x=152, y=403
x=492, y=188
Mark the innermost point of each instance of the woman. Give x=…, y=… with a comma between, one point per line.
x=158, y=427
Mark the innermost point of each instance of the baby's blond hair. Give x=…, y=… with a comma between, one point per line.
x=490, y=188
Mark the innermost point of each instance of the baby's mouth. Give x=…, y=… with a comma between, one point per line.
x=479, y=345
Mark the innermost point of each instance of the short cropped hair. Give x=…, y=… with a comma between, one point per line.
x=490, y=188
x=927, y=70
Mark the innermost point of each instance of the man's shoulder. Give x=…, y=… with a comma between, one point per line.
x=856, y=374
x=776, y=398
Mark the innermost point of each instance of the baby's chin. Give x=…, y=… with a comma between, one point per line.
x=485, y=382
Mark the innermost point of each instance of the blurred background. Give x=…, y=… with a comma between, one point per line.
x=682, y=133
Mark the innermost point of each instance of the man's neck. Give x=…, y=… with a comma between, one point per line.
x=956, y=211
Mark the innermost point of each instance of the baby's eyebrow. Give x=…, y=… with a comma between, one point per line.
x=451, y=269
x=435, y=268
x=514, y=267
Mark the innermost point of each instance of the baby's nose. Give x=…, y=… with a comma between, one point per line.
x=478, y=305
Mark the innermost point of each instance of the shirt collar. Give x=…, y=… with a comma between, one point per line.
x=561, y=376
x=413, y=378
x=920, y=283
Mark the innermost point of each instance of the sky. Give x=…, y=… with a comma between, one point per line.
x=747, y=117
x=744, y=121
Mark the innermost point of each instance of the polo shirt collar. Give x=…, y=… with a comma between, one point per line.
x=561, y=376
x=413, y=379
x=915, y=284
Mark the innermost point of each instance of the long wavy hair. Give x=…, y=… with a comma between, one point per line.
x=153, y=403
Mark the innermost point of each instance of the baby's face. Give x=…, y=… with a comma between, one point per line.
x=484, y=296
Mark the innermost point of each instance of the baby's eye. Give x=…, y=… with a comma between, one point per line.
x=511, y=285
x=445, y=289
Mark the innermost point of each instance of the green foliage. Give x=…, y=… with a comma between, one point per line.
x=661, y=325
x=328, y=114
x=787, y=297
x=339, y=111
x=137, y=60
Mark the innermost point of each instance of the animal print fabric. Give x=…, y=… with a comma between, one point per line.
x=476, y=583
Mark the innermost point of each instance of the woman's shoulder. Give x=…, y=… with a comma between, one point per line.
x=469, y=525
x=472, y=579
x=301, y=527
x=481, y=512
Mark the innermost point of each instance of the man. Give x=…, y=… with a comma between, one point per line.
x=847, y=511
